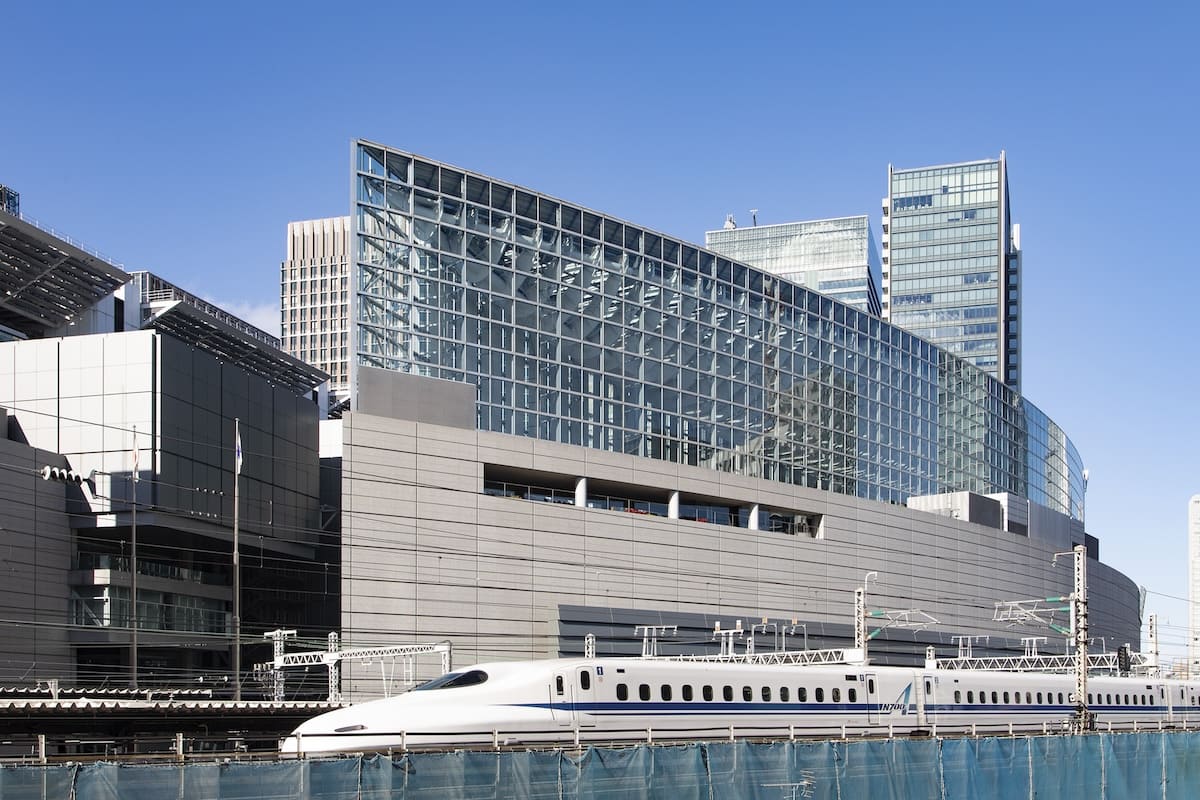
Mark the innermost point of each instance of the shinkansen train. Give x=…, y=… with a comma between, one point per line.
x=624, y=699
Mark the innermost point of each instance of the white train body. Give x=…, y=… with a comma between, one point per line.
x=625, y=699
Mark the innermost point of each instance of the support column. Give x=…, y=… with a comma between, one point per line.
x=673, y=506
x=581, y=492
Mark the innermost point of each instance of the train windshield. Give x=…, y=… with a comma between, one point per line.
x=454, y=680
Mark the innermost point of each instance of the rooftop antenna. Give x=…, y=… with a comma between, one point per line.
x=754, y=216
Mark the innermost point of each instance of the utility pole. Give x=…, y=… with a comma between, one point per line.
x=133, y=573
x=237, y=565
x=278, y=637
x=860, y=614
x=1083, y=720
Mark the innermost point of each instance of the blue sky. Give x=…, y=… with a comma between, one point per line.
x=183, y=138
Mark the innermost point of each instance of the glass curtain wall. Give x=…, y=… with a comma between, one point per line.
x=584, y=329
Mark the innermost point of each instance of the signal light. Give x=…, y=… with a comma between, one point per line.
x=62, y=475
x=1123, y=659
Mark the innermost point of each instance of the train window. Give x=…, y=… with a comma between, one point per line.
x=852, y=695
x=622, y=691
x=687, y=692
x=871, y=685
x=995, y=698
x=1089, y=698
x=558, y=685
x=1108, y=699
x=1017, y=697
x=783, y=694
x=728, y=693
x=747, y=694
x=644, y=691
x=928, y=686
x=802, y=694
x=1029, y=697
x=1127, y=700
x=707, y=693
x=766, y=694
x=665, y=691
x=1060, y=699
x=1039, y=696
x=957, y=696
x=1006, y=698
x=837, y=695
x=585, y=679
x=454, y=680
x=970, y=696
x=819, y=695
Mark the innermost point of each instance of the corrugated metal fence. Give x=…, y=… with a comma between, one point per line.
x=1093, y=767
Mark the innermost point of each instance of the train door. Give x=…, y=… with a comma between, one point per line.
x=927, y=701
x=562, y=698
x=585, y=695
x=872, y=689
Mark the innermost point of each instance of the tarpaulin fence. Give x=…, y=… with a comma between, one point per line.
x=1094, y=767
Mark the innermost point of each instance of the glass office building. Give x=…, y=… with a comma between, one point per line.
x=581, y=328
x=951, y=262
x=836, y=257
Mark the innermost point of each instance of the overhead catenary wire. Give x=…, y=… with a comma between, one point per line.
x=381, y=535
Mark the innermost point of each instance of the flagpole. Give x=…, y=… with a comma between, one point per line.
x=133, y=598
x=237, y=566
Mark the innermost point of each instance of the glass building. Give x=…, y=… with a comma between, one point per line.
x=951, y=262
x=836, y=257
x=582, y=328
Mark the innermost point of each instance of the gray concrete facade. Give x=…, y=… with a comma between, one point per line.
x=428, y=554
x=34, y=563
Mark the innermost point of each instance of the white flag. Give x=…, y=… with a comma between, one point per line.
x=237, y=449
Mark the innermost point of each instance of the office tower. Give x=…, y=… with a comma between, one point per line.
x=314, y=299
x=951, y=262
x=836, y=257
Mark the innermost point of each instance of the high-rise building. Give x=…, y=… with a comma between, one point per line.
x=314, y=299
x=951, y=262
x=1194, y=586
x=836, y=257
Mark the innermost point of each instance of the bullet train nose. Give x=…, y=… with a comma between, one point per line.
x=331, y=731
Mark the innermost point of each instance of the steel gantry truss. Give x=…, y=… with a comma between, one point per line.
x=333, y=657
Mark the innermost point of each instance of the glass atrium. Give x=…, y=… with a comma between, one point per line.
x=581, y=328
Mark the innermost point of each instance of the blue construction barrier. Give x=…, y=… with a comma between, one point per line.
x=1102, y=766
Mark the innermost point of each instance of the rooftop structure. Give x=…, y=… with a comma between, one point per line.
x=47, y=282
x=10, y=201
